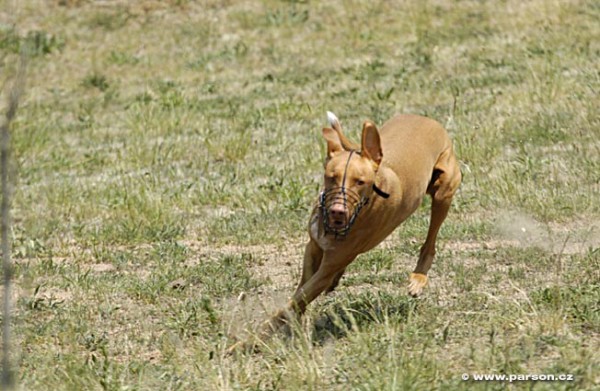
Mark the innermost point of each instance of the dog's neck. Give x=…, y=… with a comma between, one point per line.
x=380, y=186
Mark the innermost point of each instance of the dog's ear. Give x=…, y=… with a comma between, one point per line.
x=347, y=144
x=334, y=144
x=371, y=143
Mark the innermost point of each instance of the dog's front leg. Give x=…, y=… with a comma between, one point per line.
x=322, y=279
x=336, y=280
x=327, y=270
x=313, y=254
x=331, y=264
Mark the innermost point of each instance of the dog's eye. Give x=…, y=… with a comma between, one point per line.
x=360, y=183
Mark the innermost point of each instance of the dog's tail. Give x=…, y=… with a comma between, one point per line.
x=333, y=120
x=335, y=124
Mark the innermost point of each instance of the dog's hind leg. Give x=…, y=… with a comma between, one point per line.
x=445, y=180
x=418, y=278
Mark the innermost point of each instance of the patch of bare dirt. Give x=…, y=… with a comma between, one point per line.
x=280, y=265
x=102, y=267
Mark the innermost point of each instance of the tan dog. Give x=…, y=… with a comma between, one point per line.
x=368, y=191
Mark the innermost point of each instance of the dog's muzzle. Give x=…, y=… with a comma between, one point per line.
x=335, y=200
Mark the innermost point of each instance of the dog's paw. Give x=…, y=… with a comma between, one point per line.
x=417, y=283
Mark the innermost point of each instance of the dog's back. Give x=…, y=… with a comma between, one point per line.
x=411, y=147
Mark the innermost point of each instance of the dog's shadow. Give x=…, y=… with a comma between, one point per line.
x=343, y=315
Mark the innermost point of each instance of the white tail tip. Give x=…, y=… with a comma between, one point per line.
x=332, y=118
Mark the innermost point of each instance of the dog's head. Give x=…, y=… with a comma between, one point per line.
x=349, y=179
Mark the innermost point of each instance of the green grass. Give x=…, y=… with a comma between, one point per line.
x=167, y=155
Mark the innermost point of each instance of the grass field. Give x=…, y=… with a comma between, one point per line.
x=167, y=154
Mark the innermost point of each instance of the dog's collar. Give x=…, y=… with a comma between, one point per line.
x=380, y=192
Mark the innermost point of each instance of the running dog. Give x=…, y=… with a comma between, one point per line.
x=368, y=190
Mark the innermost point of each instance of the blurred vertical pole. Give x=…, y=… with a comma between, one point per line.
x=7, y=380
x=14, y=93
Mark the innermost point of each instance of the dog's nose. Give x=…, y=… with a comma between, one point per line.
x=338, y=212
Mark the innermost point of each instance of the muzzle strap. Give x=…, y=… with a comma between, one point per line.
x=346, y=171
